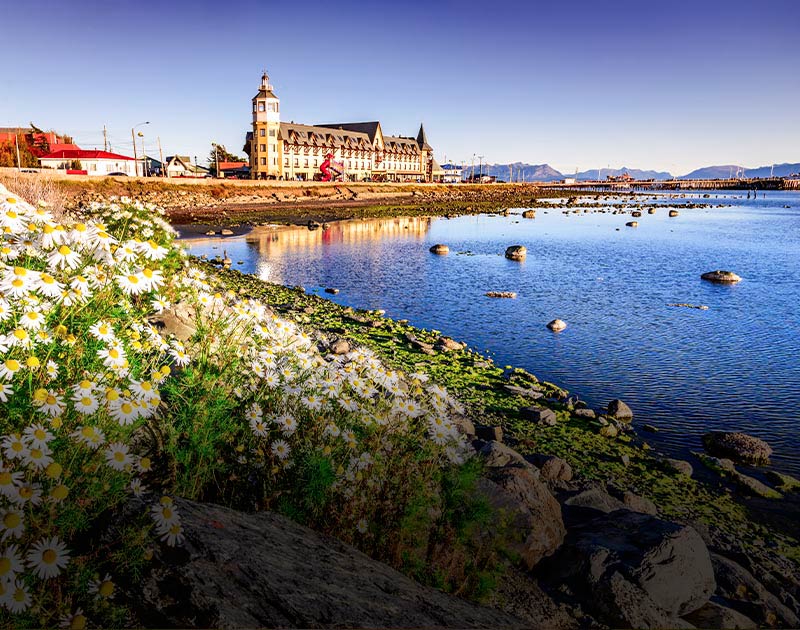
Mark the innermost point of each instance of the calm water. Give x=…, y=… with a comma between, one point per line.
x=734, y=366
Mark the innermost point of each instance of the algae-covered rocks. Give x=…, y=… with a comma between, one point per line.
x=501, y=294
x=439, y=249
x=516, y=252
x=740, y=447
x=721, y=277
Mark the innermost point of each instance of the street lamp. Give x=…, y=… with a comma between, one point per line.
x=145, y=169
x=133, y=138
x=216, y=159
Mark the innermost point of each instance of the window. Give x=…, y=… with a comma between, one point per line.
x=296, y=162
x=273, y=147
x=271, y=133
x=263, y=161
x=286, y=161
x=274, y=161
x=261, y=107
x=272, y=107
x=261, y=132
x=306, y=162
x=262, y=147
x=316, y=162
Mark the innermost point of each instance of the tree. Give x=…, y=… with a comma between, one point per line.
x=8, y=154
x=219, y=152
x=76, y=165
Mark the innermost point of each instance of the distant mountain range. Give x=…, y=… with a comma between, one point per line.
x=522, y=172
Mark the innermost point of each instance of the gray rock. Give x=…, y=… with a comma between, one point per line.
x=180, y=320
x=516, y=252
x=680, y=466
x=738, y=446
x=331, y=290
x=446, y=343
x=632, y=224
x=239, y=570
x=721, y=277
x=714, y=615
x=498, y=455
x=620, y=410
x=535, y=516
x=439, y=249
x=340, y=346
x=525, y=392
x=226, y=232
x=551, y=468
x=586, y=414
x=638, y=504
x=595, y=499
x=557, y=325
x=540, y=415
x=636, y=569
x=490, y=433
x=749, y=596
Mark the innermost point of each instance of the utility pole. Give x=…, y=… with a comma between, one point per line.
x=472, y=176
x=161, y=157
x=480, y=166
x=105, y=139
x=135, y=157
x=144, y=157
x=16, y=140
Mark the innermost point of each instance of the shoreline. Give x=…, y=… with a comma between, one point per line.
x=500, y=398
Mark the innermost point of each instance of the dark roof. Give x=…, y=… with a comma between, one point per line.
x=323, y=135
x=265, y=94
x=369, y=128
x=422, y=140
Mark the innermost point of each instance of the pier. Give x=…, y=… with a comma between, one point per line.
x=771, y=183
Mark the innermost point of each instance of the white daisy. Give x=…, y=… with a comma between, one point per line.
x=48, y=557
x=117, y=456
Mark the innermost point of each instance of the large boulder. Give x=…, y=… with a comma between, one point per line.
x=721, y=277
x=635, y=569
x=238, y=570
x=534, y=516
x=737, y=446
x=516, y=252
x=714, y=615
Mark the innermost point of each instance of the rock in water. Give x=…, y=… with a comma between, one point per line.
x=331, y=290
x=501, y=294
x=673, y=213
x=721, y=277
x=439, y=249
x=529, y=214
x=557, y=325
x=516, y=252
x=238, y=570
x=620, y=410
x=737, y=446
x=632, y=224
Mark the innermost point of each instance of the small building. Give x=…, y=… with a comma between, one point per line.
x=182, y=166
x=568, y=180
x=234, y=170
x=99, y=163
x=452, y=174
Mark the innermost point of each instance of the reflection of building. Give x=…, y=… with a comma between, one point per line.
x=360, y=151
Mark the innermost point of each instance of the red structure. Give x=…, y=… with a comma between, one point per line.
x=330, y=169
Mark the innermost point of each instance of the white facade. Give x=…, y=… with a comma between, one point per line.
x=94, y=166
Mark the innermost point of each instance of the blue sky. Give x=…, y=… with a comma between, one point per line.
x=670, y=85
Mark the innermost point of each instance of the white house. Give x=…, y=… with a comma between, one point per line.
x=452, y=174
x=181, y=166
x=92, y=162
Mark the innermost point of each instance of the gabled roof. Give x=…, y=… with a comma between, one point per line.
x=80, y=154
x=369, y=128
x=322, y=136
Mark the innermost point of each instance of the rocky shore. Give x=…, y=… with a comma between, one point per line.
x=606, y=532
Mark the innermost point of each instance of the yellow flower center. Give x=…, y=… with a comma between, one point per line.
x=64, y=250
x=36, y=453
x=133, y=279
x=32, y=362
x=60, y=492
x=119, y=456
x=147, y=273
x=5, y=566
x=51, y=400
x=12, y=365
x=26, y=492
x=106, y=588
x=5, y=478
x=86, y=401
x=113, y=353
x=20, y=334
x=17, y=283
x=11, y=520
x=78, y=623
x=49, y=556
x=112, y=395
x=54, y=470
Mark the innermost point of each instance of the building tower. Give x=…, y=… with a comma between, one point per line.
x=265, y=147
x=425, y=155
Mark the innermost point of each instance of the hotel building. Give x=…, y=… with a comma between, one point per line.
x=361, y=152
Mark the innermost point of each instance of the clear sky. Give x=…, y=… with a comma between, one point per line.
x=671, y=85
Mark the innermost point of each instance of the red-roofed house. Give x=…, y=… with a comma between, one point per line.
x=39, y=142
x=234, y=169
x=93, y=162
